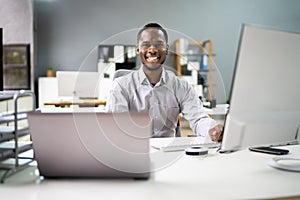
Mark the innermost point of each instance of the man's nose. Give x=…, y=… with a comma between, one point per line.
x=152, y=48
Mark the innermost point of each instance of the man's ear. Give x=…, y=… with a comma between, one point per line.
x=137, y=49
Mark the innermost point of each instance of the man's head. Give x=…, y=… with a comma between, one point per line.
x=152, y=45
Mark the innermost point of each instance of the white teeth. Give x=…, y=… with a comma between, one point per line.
x=151, y=58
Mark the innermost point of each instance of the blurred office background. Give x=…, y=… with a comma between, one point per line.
x=65, y=32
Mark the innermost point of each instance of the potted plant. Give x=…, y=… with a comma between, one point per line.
x=50, y=72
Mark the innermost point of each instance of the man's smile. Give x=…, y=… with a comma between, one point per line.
x=152, y=59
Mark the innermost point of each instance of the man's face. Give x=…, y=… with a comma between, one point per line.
x=152, y=48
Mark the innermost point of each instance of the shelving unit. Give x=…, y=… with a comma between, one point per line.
x=186, y=54
x=14, y=126
x=123, y=56
x=112, y=57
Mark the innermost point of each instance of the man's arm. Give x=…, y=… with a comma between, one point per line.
x=118, y=98
x=193, y=110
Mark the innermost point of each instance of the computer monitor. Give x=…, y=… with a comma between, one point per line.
x=265, y=98
x=78, y=84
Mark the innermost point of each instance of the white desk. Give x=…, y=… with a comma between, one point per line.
x=239, y=175
x=220, y=109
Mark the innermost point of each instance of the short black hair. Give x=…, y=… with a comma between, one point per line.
x=152, y=25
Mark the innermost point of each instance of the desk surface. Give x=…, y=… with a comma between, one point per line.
x=239, y=175
x=83, y=103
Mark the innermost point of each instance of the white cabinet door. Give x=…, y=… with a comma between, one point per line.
x=48, y=90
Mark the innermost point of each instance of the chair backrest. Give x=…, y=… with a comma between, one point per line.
x=121, y=72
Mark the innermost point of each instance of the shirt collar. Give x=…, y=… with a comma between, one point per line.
x=163, y=76
x=144, y=80
x=142, y=77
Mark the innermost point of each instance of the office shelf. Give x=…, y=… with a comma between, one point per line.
x=8, y=150
x=8, y=133
x=182, y=56
x=12, y=130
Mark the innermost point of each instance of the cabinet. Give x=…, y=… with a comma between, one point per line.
x=124, y=56
x=1, y=57
x=112, y=58
x=14, y=130
x=16, y=66
x=194, y=59
x=48, y=90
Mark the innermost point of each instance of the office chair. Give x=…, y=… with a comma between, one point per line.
x=123, y=72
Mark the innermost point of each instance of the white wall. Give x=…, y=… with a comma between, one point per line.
x=16, y=19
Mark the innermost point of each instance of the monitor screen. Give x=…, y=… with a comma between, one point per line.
x=265, y=97
x=78, y=84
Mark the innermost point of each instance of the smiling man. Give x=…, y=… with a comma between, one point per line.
x=158, y=91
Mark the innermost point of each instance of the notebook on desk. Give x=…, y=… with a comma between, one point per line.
x=91, y=145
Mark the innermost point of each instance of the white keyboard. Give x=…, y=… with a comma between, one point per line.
x=181, y=143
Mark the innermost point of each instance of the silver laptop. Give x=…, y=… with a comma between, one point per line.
x=91, y=145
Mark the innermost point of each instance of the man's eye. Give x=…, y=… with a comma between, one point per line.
x=145, y=45
x=148, y=45
x=160, y=45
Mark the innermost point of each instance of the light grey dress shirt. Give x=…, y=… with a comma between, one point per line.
x=164, y=101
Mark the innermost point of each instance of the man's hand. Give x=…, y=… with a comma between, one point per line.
x=216, y=133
